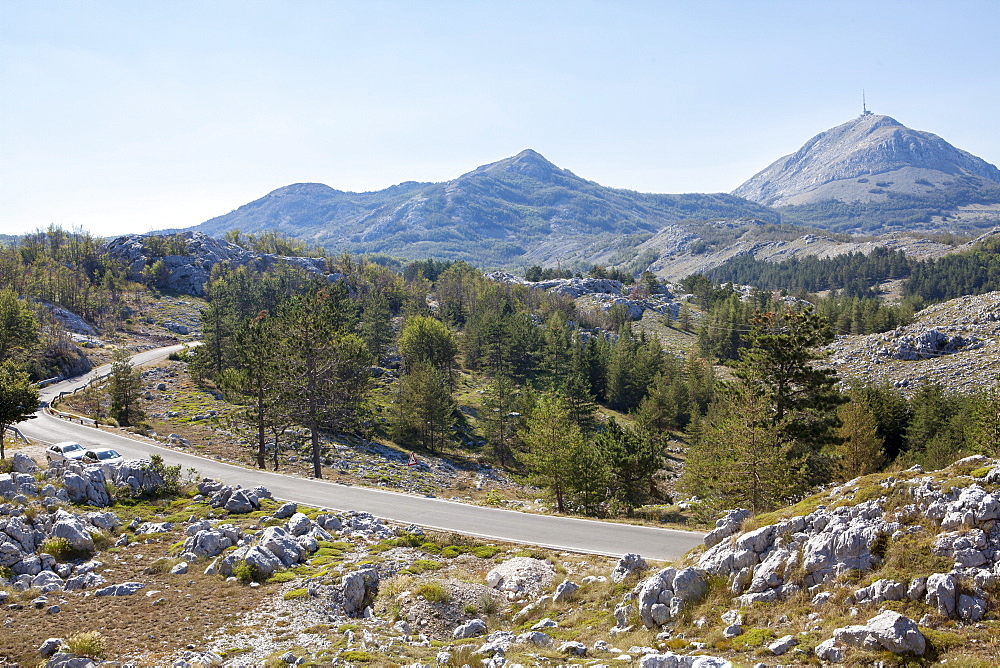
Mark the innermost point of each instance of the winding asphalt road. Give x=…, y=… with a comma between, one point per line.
x=562, y=533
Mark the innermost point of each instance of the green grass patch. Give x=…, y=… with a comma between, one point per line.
x=433, y=592
x=358, y=656
x=295, y=593
x=283, y=576
x=753, y=638
x=422, y=566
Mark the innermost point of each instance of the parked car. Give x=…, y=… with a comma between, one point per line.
x=66, y=451
x=102, y=456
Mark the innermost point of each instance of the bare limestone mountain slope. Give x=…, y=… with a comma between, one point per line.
x=513, y=212
x=873, y=172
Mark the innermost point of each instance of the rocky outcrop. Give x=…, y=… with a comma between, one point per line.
x=189, y=272
x=603, y=293
x=660, y=598
x=954, y=343
x=812, y=551
x=628, y=565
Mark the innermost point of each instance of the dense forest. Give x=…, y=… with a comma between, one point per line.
x=970, y=272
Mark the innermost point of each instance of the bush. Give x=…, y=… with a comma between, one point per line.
x=246, y=573
x=87, y=643
x=102, y=541
x=295, y=593
x=59, y=548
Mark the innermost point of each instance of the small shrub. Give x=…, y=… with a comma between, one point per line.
x=430, y=548
x=161, y=565
x=344, y=628
x=486, y=551
x=87, y=643
x=283, y=576
x=295, y=593
x=7, y=465
x=487, y=605
x=246, y=573
x=452, y=551
x=981, y=473
x=433, y=592
x=102, y=541
x=59, y=548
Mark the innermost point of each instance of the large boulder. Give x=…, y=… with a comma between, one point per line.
x=521, y=577
x=627, y=565
x=73, y=530
x=888, y=630
x=359, y=589
x=279, y=543
x=662, y=596
x=206, y=544
x=471, y=629
x=23, y=463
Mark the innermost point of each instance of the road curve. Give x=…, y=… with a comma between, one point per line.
x=563, y=533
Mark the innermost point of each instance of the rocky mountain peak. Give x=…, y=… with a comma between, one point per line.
x=836, y=164
x=528, y=163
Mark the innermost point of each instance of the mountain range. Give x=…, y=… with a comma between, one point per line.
x=871, y=174
x=517, y=211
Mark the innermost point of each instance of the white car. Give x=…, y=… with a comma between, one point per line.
x=102, y=456
x=66, y=451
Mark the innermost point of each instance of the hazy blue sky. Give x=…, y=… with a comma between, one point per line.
x=138, y=115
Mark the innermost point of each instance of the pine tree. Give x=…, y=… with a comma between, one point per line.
x=740, y=457
x=18, y=399
x=860, y=450
x=500, y=418
x=330, y=366
x=425, y=409
x=260, y=380
x=632, y=462
x=779, y=366
x=124, y=386
x=18, y=326
x=551, y=439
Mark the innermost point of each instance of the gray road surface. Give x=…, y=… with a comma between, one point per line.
x=577, y=535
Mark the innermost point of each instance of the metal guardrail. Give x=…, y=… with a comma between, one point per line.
x=17, y=433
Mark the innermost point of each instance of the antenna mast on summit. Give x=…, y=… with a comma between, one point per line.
x=864, y=106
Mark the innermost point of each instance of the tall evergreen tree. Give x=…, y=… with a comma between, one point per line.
x=425, y=409
x=260, y=380
x=551, y=439
x=779, y=366
x=330, y=364
x=860, y=450
x=125, y=385
x=739, y=456
x=18, y=399
x=500, y=418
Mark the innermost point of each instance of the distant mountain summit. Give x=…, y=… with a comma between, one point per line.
x=873, y=171
x=514, y=212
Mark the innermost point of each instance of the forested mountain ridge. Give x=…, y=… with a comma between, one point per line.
x=873, y=173
x=515, y=212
